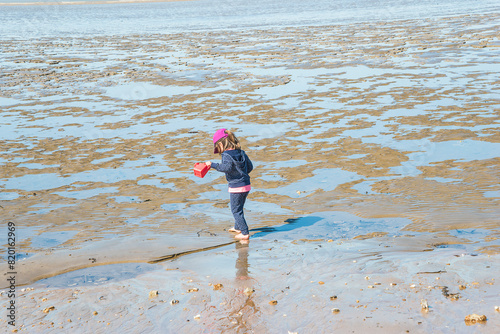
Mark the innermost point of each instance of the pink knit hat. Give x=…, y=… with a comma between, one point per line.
x=219, y=134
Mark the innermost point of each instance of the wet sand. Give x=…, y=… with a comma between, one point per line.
x=281, y=281
x=387, y=131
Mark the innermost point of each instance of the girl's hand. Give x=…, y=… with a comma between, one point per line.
x=208, y=163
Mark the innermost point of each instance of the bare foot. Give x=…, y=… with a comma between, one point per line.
x=242, y=236
x=233, y=230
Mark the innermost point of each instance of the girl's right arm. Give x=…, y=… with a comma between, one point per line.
x=224, y=166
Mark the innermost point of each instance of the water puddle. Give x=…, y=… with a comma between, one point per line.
x=48, y=240
x=144, y=91
x=85, y=194
x=98, y=275
x=6, y=102
x=323, y=179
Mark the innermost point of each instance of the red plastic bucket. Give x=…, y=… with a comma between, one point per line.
x=200, y=169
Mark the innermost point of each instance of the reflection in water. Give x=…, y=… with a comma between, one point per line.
x=244, y=306
x=242, y=261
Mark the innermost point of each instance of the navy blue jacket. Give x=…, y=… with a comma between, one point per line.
x=237, y=165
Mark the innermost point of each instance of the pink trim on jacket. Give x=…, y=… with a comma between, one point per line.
x=240, y=189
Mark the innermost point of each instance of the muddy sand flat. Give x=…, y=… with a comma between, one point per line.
x=376, y=149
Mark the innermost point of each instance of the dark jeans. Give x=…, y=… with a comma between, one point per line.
x=237, y=202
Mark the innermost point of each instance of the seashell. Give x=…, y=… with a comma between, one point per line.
x=471, y=319
x=48, y=309
x=248, y=291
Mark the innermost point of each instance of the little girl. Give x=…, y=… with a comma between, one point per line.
x=236, y=164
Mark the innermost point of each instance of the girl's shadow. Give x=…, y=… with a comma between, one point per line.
x=291, y=224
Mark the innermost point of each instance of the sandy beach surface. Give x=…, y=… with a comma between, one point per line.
x=375, y=201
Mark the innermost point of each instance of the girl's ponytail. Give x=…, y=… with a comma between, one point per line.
x=232, y=140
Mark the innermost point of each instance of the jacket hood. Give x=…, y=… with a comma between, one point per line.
x=240, y=160
x=237, y=155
